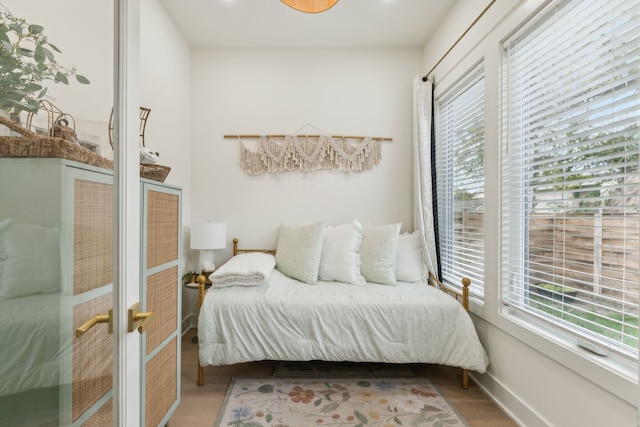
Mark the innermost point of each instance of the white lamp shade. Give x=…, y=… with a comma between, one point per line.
x=208, y=235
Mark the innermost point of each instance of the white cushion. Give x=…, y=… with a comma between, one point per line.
x=410, y=265
x=340, y=260
x=378, y=253
x=29, y=259
x=299, y=250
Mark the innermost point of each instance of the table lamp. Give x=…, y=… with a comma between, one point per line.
x=207, y=236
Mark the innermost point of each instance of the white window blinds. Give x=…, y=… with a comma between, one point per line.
x=570, y=169
x=459, y=134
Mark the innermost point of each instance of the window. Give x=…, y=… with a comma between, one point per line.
x=570, y=169
x=460, y=179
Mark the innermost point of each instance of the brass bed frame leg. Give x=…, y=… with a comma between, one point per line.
x=201, y=281
x=200, y=374
x=465, y=303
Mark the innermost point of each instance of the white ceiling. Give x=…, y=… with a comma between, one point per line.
x=272, y=24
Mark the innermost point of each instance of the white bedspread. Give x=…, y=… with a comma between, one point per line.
x=289, y=320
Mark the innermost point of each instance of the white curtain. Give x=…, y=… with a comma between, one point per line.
x=422, y=180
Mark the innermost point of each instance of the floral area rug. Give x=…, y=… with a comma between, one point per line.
x=357, y=402
x=318, y=368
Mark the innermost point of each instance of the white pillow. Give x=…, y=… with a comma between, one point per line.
x=29, y=259
x=378, y=253
x=299, y=250
x=340, y=259
x=410, y=266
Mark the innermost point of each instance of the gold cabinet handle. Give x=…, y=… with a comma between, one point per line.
x=139, y=319
x=98, y=318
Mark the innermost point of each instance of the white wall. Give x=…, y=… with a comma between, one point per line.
x=341, y=91
x=352, y=92
x=537, y=381
x=165, y=67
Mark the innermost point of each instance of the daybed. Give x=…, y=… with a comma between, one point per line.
x=272, y=316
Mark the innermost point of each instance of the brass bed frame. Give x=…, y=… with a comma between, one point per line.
x=462, y=297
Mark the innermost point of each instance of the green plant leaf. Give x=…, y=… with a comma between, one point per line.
x=54, y=47
x=7, y=68
x=363, y=384
x=16, y=27
x=40, y=56
x=33, y=87
x=36, y=29
x=18, y=109
x=82, y=79
x=4, y=37
x=49, y=54
x=268, y=418
x=43, y=93
x=60, y=77
x=32, y=106
x=397, y=420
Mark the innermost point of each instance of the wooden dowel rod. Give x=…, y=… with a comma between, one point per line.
x=379, y=138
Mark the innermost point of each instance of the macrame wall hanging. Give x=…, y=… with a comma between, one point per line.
x=308, y=153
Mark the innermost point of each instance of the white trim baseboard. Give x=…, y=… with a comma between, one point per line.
x=515, y=408
x=191, y=321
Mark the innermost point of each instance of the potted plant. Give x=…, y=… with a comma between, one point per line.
x=189, y=277
x=27, y=61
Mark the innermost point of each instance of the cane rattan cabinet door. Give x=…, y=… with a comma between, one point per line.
x=92, y=368
x=56, y=273
x=161, y=248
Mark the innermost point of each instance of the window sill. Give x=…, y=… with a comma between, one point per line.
x=614, y=373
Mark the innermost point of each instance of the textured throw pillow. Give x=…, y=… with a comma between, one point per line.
x=29, y=259
x=410, y=266
x=340, y=260
x=299, y=250
x=378, y=253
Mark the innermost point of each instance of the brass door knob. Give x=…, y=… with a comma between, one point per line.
x=98, y=318
x=139, y=319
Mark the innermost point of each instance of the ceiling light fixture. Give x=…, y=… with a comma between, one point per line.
x=310, y=6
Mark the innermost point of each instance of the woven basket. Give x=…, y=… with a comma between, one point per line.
x=147, y=170
x=61, y=129
x=31, y=145
x=154, y=172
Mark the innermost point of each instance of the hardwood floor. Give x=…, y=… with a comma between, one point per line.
x=200, y=405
